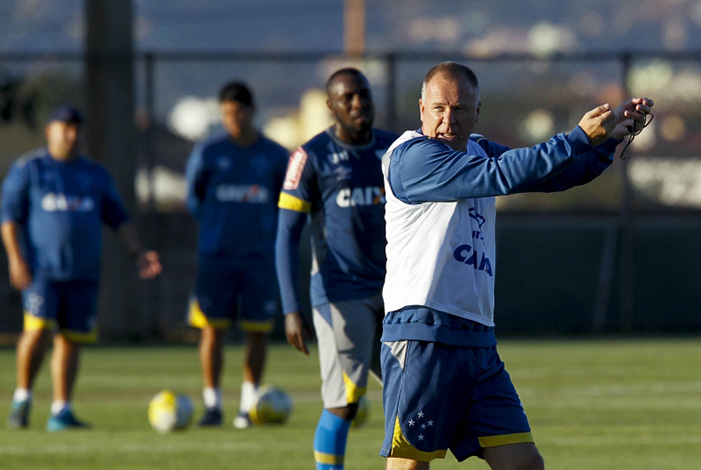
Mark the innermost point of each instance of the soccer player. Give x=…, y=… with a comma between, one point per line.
x=54, y=201
x=335, y=180
x=444, y=384
x=233, y=181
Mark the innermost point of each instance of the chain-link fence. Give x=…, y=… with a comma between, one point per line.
x=630, y=235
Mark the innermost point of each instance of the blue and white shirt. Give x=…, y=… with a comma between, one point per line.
x=440, y=216
x=232, y=191
x=60, y=207
x=340, y=188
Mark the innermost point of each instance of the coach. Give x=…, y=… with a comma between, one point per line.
x=54, y=202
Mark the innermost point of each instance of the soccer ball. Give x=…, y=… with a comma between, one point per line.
x=273, y=406
x=363, y=412
x=168, y=411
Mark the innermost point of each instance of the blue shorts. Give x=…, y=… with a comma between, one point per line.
x=68, y=306
x=222, y=290
x=438, y=398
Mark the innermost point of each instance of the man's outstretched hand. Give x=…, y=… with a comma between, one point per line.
x=603, y=123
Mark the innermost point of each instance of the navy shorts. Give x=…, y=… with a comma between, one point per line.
x=67, y=306
x=438, y=398
x=226, y=291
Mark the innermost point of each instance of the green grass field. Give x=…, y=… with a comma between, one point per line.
x=593, y=404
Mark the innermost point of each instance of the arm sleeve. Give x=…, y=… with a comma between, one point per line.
x=15, y=194
x=193, y=179
x=289, y=231
x=589, y=166
x=428, y=170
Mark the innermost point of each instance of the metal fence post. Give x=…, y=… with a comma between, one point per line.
x=627, y=226
x=391, y=62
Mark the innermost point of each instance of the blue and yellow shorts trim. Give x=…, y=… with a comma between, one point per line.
x=401, y=447
x=465, y=413
x=506, y=439
x=353, y=392
x=69, y=307
x=32, y=323
x=197, y=318
x=263, y=326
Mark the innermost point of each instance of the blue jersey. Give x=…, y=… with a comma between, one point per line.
x=340, y=187
x=60, y=206
x=441, y=214
x=232, y=192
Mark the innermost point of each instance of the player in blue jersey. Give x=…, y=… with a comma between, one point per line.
x=335, y=181
x=233, y=183
x=54, y=202
x=445, y=387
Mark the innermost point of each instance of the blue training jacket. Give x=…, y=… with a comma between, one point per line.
x=441, y=226
x=339, y=188
x=60, y=207
x=232, y=191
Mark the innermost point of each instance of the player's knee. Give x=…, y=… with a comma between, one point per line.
x=352, y=411
x=347, y=412
x=212, y=336
x=534, y=461
x=514, y=457
x=394, y=463
x=530, y=460
x=257, y=337
x=36, y=338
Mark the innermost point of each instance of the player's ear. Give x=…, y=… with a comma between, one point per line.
x=328, y=105
x=477, y=111
x=421, y=109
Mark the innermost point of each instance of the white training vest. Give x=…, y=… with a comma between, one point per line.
x=440, y=254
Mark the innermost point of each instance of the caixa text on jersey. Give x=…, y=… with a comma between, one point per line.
x=365, y=196
x=467, y=255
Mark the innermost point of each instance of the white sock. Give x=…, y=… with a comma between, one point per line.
x=249, y=395
x=22, y=394
x=58, y=406
x=212, y=397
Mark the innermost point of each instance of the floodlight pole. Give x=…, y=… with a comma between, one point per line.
x=627, y=226
x=112, y=140
x=354, y=27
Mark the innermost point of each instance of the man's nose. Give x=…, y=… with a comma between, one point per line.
x=448, y=116
x=358, y=102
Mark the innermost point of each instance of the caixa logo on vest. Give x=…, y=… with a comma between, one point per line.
x=467, y=255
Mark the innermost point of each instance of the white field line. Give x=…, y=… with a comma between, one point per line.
x=656, y=440
x=646, y=388
x=174, y=446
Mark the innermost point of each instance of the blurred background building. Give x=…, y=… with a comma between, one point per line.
x=619, y=255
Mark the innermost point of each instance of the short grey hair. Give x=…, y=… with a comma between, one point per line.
x=454, y=70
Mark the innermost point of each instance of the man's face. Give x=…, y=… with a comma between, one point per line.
x=449, y=110
x=237, y=118
x=62, y=139
x=350, y=103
